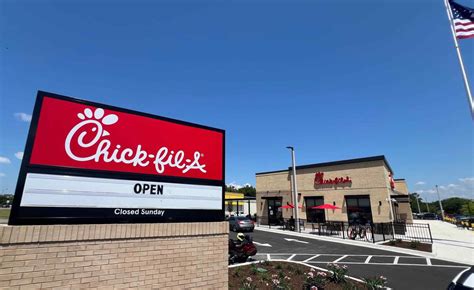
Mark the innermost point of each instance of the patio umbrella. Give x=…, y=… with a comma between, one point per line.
x=325, y=206
x=291, y=206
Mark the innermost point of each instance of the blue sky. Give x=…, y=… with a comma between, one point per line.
x=335, y=79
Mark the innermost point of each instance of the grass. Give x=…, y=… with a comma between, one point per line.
x=4, y=213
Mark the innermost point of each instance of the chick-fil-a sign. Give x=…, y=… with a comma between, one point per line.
x=78, y=135
x=319, y=179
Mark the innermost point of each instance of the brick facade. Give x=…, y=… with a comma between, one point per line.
x=167, y=255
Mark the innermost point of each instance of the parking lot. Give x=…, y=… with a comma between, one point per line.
x=403, y=271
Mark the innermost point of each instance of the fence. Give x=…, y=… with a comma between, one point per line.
x=373, y=232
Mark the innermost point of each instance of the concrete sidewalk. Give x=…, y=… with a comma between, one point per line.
x=451, y=242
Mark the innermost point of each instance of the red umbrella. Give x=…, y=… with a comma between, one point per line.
x=291, y=206
x=325, y=206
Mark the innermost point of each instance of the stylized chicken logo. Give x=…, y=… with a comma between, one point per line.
x=98, y=120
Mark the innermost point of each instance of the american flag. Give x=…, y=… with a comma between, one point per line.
x=463, y=18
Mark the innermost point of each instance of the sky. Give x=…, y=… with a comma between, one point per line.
x=335, y=79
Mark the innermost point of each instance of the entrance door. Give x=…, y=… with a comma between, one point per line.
x=315, y=215
x=274, y=210
x=358, y=209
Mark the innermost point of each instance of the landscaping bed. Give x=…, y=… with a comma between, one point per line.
x=286, y=275
x=413, y=245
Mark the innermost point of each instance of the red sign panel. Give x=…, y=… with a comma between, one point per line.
x=78, y=135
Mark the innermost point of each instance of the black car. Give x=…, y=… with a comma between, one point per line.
x=240, y=223
x=430, y=216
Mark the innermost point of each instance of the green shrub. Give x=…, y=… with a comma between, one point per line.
x=315, y=279
x=414, y=244
x=338, y=273
x=375, y=282
x=248, y=284
x=392, y=243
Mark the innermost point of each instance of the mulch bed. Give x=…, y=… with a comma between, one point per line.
x=410, y=245
x=295, y=272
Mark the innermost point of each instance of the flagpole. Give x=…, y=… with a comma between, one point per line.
x=461, y=63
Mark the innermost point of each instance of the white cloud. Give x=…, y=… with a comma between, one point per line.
x=420, y=183
x=4, y=160
x=463, y=188
x=429, y=191
x=2, y=174
x=467, y=180
x=23, y=117
x=238, y=186
x=19, y=155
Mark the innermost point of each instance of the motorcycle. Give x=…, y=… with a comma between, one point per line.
x=240, y=252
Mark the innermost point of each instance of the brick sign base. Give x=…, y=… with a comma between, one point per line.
x=167, y=255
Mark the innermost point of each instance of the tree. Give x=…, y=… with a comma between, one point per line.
x=248, y=190
x=468, y=208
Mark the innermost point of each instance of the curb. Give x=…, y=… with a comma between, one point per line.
x=362, y=244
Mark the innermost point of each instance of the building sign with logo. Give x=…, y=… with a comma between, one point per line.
x=92, y=163
x=319, y=179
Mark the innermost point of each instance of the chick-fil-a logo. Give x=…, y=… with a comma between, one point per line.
x=105, y=151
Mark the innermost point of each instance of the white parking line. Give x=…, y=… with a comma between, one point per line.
x=396, y=260
x=337, y=260
x=315, y=256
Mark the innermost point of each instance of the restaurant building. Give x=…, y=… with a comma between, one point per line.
x=363, y=189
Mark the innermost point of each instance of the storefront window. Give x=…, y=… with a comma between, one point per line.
x=315, y=215
x=358, y=209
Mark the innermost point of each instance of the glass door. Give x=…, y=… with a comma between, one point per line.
x=274, y=210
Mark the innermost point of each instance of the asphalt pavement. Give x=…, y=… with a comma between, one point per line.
x=403, y=271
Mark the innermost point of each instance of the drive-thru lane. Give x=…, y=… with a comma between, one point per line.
x=403, y=271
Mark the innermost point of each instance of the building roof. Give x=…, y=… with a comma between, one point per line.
x=340, y=162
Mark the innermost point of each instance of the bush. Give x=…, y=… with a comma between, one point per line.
x=392, y=243
x=315, y=279
x=414, y=244
x=248, y=284
x=338, y=273
x=375, y=282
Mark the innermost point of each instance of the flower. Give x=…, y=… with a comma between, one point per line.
x=344, y=267
x=310, y=274
x=249, y=279
x=313, y=270
x=322, y=274
x=313, y=288
x=383, y=278
x=276, y=282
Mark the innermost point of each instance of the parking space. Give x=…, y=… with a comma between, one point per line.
x=404, y=271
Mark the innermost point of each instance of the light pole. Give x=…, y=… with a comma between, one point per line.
x=294, y=190
x=440, y=204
